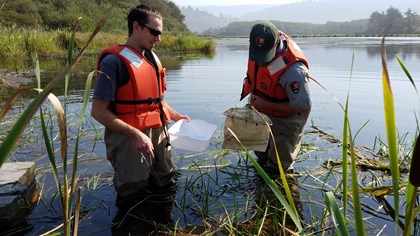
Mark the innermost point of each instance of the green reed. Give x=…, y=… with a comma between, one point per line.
x=185, y=43
x=329, y=197
x=66, y=188
x=288, y=204
x=391, y=128
x=414, y=176
x=393, y=147
x=345, y=150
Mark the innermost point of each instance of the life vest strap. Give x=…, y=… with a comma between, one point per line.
x=137, y=102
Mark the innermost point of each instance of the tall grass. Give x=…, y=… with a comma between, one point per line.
x=66, y=188
x=288, y=204
x=186, y=43
x=394, y=164
x=391, y=131
x=55, y=44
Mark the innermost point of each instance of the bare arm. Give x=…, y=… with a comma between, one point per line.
x=101, y=112
x=175, y=116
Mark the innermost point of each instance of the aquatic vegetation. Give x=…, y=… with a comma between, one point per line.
x=67, y=188
x=220, y=196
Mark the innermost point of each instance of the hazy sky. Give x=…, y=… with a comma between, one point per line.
x=229, y=2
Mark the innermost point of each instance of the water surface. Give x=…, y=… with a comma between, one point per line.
x=203, y=88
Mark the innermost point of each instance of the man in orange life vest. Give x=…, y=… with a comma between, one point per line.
x=278, y=86
x=129, y=101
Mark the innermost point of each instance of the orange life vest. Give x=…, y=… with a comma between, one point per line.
x=140, y=102
x=265, y=80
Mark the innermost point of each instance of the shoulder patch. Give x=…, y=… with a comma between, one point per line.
x=295, y=86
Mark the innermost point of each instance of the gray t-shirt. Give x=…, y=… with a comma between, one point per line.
x=113, y=75
x=296, y=83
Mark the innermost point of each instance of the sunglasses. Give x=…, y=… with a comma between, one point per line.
x=152, y=31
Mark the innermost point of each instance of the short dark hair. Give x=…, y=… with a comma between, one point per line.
x=140, y=14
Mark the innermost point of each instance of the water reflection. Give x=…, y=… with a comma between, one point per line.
x=404, y=47
x=174, y=61
x=404, y=52
x=52, y=67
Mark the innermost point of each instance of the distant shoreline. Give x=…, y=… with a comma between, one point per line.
x=335, y=35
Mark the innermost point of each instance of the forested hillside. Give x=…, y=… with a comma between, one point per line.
x=392, y=21
x=53, y=14
x=63, y=14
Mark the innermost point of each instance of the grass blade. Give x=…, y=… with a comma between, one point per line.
x=62, y=124
x=280, y=167
x=358, y=216
x=407, y=73
x=390, y=125
x=335, y=210
x=50, y=153
x=354, y=181
x=345, y=145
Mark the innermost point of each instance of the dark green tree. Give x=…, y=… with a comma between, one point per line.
x=19, y=13
x=376, y=23
x=410, y=20
x=394, y=21
x=63, y=14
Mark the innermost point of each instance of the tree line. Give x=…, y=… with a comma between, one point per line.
x=392, y=21
x=63, y=14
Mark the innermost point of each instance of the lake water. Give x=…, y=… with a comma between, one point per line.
x=204, y=87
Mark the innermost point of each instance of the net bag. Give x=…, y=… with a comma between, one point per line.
x=248, y=125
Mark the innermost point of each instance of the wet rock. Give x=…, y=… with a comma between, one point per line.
x=18, y=193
